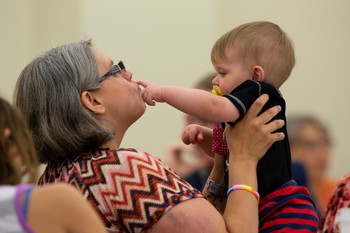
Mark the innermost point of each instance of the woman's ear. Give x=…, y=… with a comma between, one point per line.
x=7, y=132
x=92, y=102
x=258, y=73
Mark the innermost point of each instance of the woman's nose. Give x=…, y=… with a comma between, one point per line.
x=127, y=75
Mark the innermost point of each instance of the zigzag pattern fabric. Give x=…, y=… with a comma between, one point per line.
x=130, y=189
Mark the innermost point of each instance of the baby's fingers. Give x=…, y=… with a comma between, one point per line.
x=142, y=83
x=185, y=137
x=189, y=135
x=146, y=98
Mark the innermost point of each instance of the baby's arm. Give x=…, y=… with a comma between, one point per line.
x=195, y=102
x=199, y=135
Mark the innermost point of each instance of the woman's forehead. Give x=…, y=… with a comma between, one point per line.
x=104, y=63
x=101, y=56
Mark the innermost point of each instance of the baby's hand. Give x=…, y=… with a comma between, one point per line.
x=151, y=93
x=192, y=134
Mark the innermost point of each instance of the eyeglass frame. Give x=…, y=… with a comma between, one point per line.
x=115, y=69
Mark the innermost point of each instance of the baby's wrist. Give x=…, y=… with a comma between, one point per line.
x=161, y=97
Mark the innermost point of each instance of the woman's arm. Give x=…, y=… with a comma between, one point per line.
x=248, y=141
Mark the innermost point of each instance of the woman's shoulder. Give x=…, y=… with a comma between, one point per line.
x=55, y=189
x=136, y=151
x=128, y=153
x=52, y=194
x=69, y=207
x=60, y=197
x=125, y=151
x=32, y=203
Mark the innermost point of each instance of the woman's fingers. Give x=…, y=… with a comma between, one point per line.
x=275, y=125
x=270, y=113
x=257, y=106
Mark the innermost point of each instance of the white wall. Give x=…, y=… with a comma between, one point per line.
x=29, y=28
x=169, y=42
x=16, y=39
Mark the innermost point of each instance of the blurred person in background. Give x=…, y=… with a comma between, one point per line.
x=55, y=208
x=189, y=161
x=311, y=144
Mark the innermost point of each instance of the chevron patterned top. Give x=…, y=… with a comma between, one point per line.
x=130, y=189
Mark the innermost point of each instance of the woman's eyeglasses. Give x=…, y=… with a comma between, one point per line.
x=115, y=69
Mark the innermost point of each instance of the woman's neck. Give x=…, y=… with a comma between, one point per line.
x=115, y=142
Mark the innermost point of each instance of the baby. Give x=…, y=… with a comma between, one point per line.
x=250, y=60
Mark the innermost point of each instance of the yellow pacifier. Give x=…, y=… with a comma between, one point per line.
x=216, y=90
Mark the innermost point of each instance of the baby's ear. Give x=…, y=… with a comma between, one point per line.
x=258, y=73
x=92, y=102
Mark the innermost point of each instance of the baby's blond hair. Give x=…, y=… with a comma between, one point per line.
x=259, y=43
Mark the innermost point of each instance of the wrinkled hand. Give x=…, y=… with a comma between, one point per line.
x=251, y=137
x=151, y=93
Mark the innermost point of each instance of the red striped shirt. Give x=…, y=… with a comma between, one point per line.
x=290, y=208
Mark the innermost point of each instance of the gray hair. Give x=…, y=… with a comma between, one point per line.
x=48, y=94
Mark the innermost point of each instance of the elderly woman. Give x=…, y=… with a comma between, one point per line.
x=79, y=104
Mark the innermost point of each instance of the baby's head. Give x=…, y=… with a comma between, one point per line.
x=17, y=153
x=257, y=44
